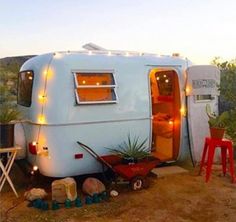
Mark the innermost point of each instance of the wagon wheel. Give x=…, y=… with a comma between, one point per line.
x=137, y=183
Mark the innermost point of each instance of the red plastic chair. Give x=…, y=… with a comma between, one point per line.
x=209, y=148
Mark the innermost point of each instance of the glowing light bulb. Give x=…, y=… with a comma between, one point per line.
x=41, y=97
x=97, y=83
x=30, y=77
x=183, y=111
x=41, y=119
x=187, y=90
x=164, y=76
x=158, y=78
x=167, y=80
x=34, y=143
x=171, y=122
x=83, y=81
x=45, y=73
x=35, y=168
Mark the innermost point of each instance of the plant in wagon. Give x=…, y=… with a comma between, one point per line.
x=132, y=150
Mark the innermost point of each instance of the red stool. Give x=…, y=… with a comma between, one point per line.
x=209, y=147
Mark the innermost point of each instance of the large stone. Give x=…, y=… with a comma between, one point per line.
x=35, y=193
x=64, y=189
x=92, y=186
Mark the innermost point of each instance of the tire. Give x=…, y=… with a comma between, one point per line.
x=137, y=183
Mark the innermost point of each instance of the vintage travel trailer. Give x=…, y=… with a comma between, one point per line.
x=98, y=97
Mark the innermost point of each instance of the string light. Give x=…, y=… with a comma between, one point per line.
x=41, y=119
x=167, y=80
x=183, y=111
x=35, y=168
x=34, y=143
x=41, y=97
x=158, y=78
x=187, y=90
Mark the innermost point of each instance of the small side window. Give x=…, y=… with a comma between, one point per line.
x=203, y=98
x=24, y=89
x=94, y=88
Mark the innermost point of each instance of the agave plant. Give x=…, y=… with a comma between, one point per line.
x=217, y=121
x=132, y=149
x=8, y=113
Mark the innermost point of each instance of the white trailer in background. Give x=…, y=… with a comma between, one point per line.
x=99, y=97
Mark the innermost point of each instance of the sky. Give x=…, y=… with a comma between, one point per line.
x=199, y=29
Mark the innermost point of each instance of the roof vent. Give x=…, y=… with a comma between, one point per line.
x=93, y=47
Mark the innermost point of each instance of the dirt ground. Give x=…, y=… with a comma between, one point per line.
x=180, y=198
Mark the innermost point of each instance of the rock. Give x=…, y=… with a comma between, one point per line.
x=114, y=193
x=64, y=189
x=35, y=193
x=93, y=186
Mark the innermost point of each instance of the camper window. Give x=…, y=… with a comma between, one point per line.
x=95, y=88
x=24, y=89
x=203, y=98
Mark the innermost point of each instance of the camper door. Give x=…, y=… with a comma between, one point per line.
x=201, y=89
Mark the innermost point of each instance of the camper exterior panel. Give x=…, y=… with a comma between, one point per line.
x=62, y=147
x=97, y=125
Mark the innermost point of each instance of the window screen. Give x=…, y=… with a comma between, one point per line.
x=24, y=91
x=95, y=88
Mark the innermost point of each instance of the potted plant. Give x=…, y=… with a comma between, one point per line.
x=217, y=124
x=132, y=150
x=8, y=115
x=8, y=112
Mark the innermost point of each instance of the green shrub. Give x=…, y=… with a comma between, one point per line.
x=132, y=148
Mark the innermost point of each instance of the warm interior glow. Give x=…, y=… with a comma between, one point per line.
x=167, y=80
x=171, y=122
x=95, y=93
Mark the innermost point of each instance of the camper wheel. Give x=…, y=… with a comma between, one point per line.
x=137, y=183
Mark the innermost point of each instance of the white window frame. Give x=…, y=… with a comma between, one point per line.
x=114, y=86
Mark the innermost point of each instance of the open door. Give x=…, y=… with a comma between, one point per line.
x=165, y=98
x=201, y=89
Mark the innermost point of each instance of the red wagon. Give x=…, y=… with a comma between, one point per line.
x=135, y=173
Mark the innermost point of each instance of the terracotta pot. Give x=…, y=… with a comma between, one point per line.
x=217, y=133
